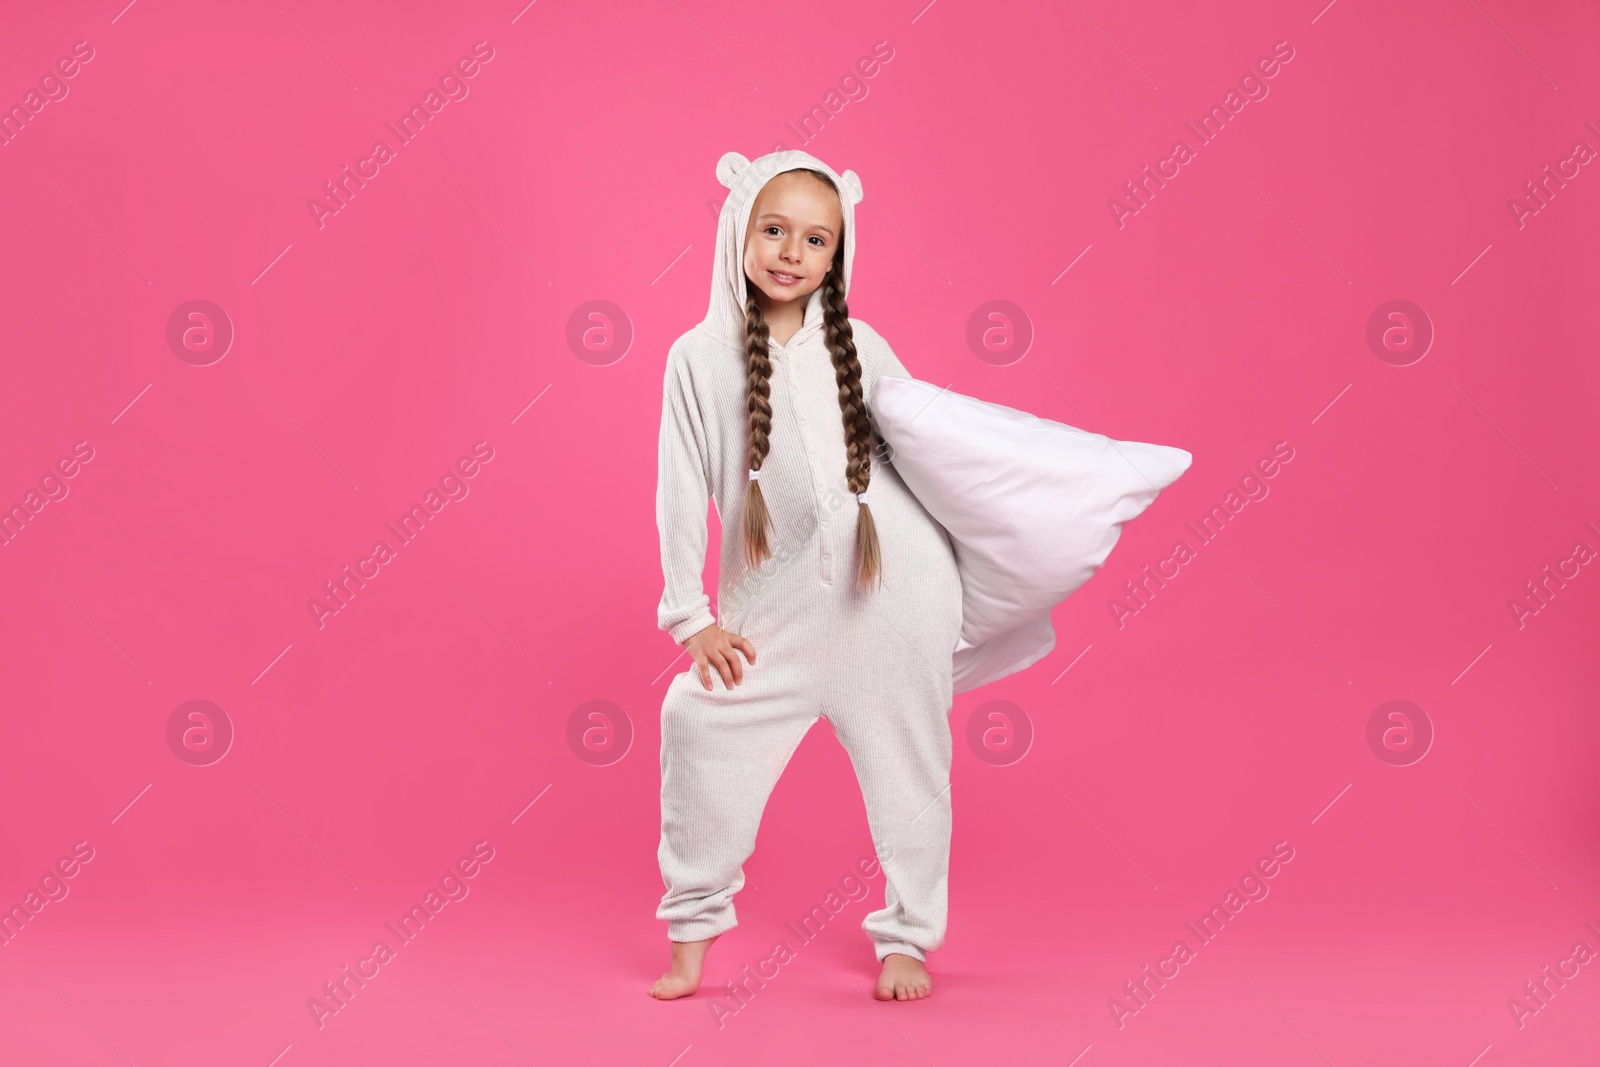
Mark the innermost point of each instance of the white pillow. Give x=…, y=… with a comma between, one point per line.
x=1033, y=507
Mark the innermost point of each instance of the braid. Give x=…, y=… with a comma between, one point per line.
x=858, y=433
x=759, y=402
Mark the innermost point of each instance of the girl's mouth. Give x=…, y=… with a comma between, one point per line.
x=784, y=279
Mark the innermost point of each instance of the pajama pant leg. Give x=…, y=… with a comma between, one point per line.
x=897, y=733
x=889, y=694
x=721, y=753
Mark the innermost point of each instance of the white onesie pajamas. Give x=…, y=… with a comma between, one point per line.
x=877, y=664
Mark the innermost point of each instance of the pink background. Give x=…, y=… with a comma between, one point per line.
x=428, y=314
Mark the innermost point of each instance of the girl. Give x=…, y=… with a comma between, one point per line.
x=838, y=608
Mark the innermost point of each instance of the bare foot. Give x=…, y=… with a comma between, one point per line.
x=684, y=977
x=903, y=978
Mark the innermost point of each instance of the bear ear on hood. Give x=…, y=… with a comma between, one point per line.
x=852, y=186
x=729, y=167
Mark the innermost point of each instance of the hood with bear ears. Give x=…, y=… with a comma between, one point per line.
x=745, y=178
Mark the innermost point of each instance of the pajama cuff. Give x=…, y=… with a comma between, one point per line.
x=700, y=929
x=691, y=626
x=883, y=948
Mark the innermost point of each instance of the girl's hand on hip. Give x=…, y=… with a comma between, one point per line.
x=713, y=647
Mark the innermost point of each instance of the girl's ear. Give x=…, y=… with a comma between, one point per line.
x=852, y=186
x=729, y=167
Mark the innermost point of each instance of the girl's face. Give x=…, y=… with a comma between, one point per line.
x=795, y=228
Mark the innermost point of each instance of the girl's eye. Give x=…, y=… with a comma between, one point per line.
x=821, y=241
x=770, y=229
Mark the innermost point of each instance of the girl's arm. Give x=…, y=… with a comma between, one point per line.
x=682, y=492
x=881, y=361
x=890, y=363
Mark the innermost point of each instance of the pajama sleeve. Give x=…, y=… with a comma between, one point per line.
x=889, y=363
x=682, y=492
x=883, y=361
